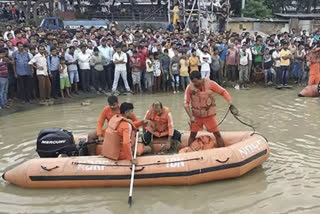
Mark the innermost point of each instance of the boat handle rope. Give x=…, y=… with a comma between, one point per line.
x=219, y=161
x=138, y=170
x=48, y=170
x=235, y=112
x=142, y=165
x=260, y=135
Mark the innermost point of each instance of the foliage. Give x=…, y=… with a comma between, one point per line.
x=257, y=9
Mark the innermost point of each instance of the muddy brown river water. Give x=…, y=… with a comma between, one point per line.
x=288, y=182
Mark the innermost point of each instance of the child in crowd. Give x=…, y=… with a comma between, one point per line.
x=149, y=73
x=174, y=71
x=64, y=78
x=269, y=73
x=194, y=61
x=156, y=72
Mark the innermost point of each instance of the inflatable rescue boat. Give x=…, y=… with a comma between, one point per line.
x=310, y=91
x=243, y=152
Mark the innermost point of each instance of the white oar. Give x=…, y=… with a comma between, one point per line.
x=133, y=169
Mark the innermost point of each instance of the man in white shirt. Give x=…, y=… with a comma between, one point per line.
x=120, y=60
x=106, y=51
x=71, y=61
x=9, y=30
x=39, y=62
x=246, y=37
x=90, y=48
x=205, y=61
x=249, y=52
x=277, y=63
x=243, y=67
x=91, y=78
x=84, y=64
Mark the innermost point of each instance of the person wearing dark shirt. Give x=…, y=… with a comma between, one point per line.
x=269, y=73
x=23, y=73
x=165, y=64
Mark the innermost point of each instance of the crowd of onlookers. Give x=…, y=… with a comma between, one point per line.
x=11, y=12
x=45, y=65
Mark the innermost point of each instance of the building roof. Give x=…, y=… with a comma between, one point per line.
x=247, y=19
x=299, y=15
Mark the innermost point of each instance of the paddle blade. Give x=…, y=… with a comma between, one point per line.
x=130, y=201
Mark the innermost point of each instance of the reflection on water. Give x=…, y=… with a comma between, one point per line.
x=289, y=182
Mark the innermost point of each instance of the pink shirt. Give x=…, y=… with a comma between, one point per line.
x=16, y=40
x=232, y=57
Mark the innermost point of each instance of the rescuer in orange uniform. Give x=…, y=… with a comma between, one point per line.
x=160, y=125
x=202, y=112
x=119, y=137
x=106, y=114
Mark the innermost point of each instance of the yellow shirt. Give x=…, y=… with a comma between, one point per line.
x=149, y=68
x=194, y=63
x=184, y=65
x=175, y=15
x=284, y=62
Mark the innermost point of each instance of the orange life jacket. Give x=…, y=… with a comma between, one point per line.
x=159, y=124
x=201, y=143
x=203, y=102
x=112, y=143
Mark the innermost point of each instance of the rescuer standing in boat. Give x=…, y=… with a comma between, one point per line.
x=202, y=109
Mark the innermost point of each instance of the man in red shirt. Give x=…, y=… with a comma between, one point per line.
x=135, y=65
x=200, y=94
x=142, y=54
x=18, y=38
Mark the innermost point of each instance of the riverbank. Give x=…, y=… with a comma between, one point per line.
x=85, y=99
x=17, y=106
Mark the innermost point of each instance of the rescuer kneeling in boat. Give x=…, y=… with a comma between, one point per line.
x=107, y=113
x=202, y=112
x=119, y=137
x=161, y=124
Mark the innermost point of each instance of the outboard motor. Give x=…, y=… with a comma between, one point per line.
x=55, y=141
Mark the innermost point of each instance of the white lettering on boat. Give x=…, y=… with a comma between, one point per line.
x=91, y=165
x=250, y=149
x=53, y=141
x=175, y=162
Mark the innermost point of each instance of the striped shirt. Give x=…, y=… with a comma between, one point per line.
x=3, y=70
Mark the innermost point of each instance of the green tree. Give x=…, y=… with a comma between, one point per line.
x=277, y=6
x=257, y=9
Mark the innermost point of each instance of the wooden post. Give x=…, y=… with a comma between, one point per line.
x=199, y=14
x=184, y=12
x=190, y=14
x=228, y=11
x=169, y=20
x=243, y=5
